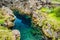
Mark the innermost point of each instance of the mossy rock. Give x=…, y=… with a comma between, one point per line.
x=6, y=34
x=1, y=17
x=55, y=15
x=6, y=18
x=53, y=18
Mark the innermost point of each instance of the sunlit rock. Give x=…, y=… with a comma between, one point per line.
x=16, y=33
x=7, y=17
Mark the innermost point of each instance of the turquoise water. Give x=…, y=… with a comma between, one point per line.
x=27, y=32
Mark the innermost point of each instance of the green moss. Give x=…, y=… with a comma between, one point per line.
x=53, y=20
x=1, y=21
x=6, y=34
x=55, y=15
x=45, y=9
x=55, y=0
x=57, y=11
x=1, y=18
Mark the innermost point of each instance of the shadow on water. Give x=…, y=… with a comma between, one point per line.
x=24, y=18
x=23, y=25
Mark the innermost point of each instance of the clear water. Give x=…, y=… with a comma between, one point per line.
x=27, y=32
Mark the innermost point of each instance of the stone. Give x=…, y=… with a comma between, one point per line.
x=7, y=17
x=16, y=33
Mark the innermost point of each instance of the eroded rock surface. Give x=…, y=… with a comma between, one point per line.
x=7, y=17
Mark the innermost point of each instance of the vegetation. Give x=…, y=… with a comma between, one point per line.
x=5, y=33
x=52, y=23
x=1, y=17
x=48, y=19
x=8, y=35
